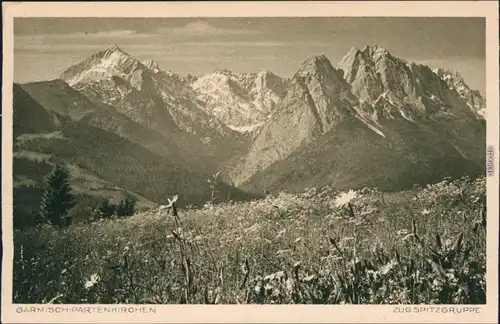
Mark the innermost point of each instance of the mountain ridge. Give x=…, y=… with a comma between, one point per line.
x=264, y=132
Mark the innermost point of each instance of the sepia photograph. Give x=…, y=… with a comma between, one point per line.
x=251, y=160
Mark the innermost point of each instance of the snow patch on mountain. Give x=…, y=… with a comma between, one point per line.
x=242, y=101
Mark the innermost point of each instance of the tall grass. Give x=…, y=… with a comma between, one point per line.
x=426, y=245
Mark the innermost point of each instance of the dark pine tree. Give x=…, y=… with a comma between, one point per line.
x=107, y=209
x=57, y=197
x=126, y=207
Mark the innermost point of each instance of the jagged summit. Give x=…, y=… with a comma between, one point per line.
x=372, y=49
x=455, y=81
x=222, y=71
x=113, y=48
x=152, y=65
x=111, y=61
x=319, y=68
x=243, y=101
x=315, y=62
x=448, y=74
x=317, y=71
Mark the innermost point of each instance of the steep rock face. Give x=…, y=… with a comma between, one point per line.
x=473, y=98
x=395, y=88
x=391, y=88
x=242, y=101
x=316, y=99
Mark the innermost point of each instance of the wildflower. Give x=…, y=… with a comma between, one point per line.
x=289, y=284
x=345, y=197
x=408, y=236
x=388, y=267
x=258, y=287
x=93, y=280
x=347, y=238
x=309, y=278
x=403, y=231
x=281, y=252
x=425, y=212
x=280, y=233
x=172, y=201
x=277, y=275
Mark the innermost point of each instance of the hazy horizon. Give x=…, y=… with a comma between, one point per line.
x=45, y=47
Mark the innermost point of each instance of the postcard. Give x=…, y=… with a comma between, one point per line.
x=241, y=162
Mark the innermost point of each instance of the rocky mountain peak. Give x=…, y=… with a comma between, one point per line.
x=455, y=82
x=316, y=65
x=321, y=79
x=113, y=49
x=242, y=101
x=111, y=61
x=374, y=51
x=396, y=88
x=152, y=65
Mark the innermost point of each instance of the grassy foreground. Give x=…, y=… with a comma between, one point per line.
x=426, y=245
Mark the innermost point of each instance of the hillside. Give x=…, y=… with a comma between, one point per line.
x=351, y=156
x=59, y=97
x=105, y=157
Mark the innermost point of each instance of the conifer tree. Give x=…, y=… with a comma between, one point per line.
x=57, y=198
x=126, y=207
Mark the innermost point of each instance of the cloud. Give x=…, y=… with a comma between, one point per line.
x=201, y=28
x=79, y=36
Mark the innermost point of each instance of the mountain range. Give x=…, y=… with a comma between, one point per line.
x=127, y=127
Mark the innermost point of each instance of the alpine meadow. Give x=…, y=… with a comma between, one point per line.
x=285, y=161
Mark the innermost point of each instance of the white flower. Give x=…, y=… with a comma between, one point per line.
x=290, y=284
x=172, y=201
x=280, y=233
x=408, y=236
x=268, y=287
x=388, y=267
x=93, y=280
x=257, y=288
x=309, y=278
x=346, y=197
x=403, y=231
x=281, y=252
x=425, y=212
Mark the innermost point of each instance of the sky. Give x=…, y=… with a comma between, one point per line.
x=45, y=47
